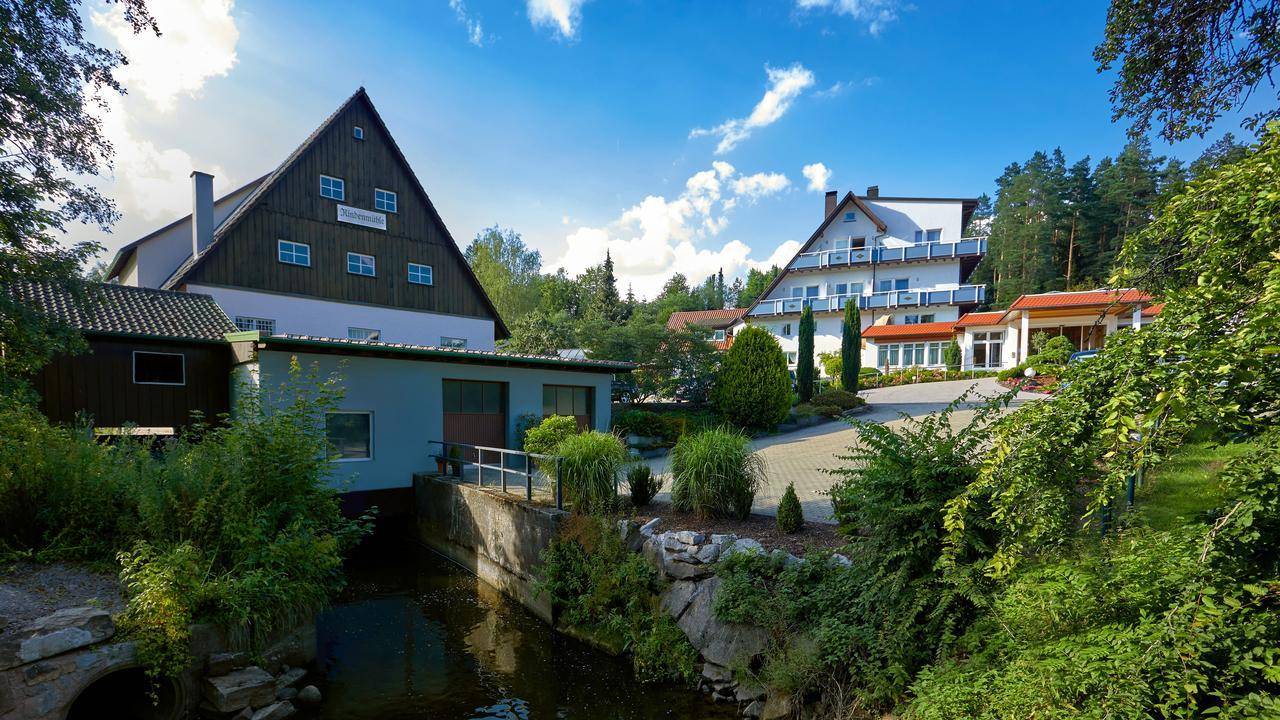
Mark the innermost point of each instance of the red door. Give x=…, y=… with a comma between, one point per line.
x=475, y=413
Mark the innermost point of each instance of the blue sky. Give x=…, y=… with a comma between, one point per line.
x=575, y=122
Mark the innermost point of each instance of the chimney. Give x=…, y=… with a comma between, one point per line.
x=201, y=211
x=831, y=204
x=873, y=191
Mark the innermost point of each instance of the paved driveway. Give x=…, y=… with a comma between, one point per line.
x=801, y=456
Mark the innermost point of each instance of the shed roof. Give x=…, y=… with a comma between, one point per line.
x=912, y=330
x=714, y=319
x=108, y=309
x=430, y=352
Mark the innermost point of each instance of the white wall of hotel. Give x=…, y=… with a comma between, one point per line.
x=298, y=315
x=919, y=276
x=828, y=328
x=155, y=259
x=406, y=400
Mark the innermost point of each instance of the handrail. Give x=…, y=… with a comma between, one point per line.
x=528, y=471
x=963, y=294
x=878, y=253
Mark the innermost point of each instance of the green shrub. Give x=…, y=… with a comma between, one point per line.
x=790, y=516
x=716, y=473
x=804, y=367
x=753, y=389
x=545, y=437
x=842, y=399
x=832, y=365
x=601, y=589
x=639, y=422
x=589, y=467
x=951, y=355
x=829, y=411
x=642, y=484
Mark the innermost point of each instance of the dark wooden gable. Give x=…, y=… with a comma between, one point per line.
x=290, y=207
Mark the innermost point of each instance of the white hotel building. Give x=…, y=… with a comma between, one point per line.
x=902, y=259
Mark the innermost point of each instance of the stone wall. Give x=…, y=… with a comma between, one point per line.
x=499, y=538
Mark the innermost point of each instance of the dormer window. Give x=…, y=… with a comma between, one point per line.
x=384, y=200
x=357, y=132
x=333, y=188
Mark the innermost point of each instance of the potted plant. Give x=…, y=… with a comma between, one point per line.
x=455, y=461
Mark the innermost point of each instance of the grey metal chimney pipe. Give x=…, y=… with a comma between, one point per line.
x=201, y=211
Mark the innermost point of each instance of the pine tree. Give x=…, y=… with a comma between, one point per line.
x=804, y=367
x=720, y=289
x=850, y=347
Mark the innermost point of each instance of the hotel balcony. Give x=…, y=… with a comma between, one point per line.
x=965, y=248
x=963, y=295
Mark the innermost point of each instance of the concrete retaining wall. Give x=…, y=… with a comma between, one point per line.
x=498, y=538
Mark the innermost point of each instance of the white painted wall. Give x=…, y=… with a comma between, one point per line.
x=327, y=318
x=156, y=259
x=902, y=218
x=405, y=397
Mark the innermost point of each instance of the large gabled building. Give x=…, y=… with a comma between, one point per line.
x=903, y=260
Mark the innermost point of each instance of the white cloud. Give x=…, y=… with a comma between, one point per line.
x=657, y=237
x=876, y=14
x=841, y=86
x=563, y=16
x=785, y=85
x=760, y=185
x=475, y=30
x=198, y=41
x=781, y=256
x=818, y=174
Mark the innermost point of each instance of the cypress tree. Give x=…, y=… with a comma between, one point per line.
x=851, y=347
x=804, y=368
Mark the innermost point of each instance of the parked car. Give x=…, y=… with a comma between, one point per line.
x=1081, y=355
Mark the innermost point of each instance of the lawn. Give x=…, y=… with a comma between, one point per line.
x=1187, y=484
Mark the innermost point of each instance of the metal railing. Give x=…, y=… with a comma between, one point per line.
x=454, y=458
x=962, y=295
x=938, y=250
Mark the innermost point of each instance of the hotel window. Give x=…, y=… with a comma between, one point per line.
x=419, y=274
x=793, y=358
x=153, y=368
x=333, y=188
x=932, y=236
x=904, y=355
x=893, y=284
x=262, y=325
x=350, y=435
x=840, y=289
x=453, y=342
x=292, y=253
x=360, y=264
x=359, y=333
x=910, y=319
x=786, y=330
x=384, y=200
x=850, y=216
x=357, y=132
x=931, y=317
x=987, y=348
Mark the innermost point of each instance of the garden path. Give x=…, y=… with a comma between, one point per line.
x=803, y=455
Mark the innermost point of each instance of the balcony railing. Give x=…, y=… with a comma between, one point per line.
x=964, y=247
x=963, y=295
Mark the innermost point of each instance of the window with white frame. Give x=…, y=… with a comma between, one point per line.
x=359, y=333
x=793, y=358
x=384, y=200
x=850, y=217
x=928, y=318
x=357, y=132
x=910, y=319
x=156, y=368
x=350, y=435
x=912, y=354
x=262, y=325
x=932, y=236
x=717, y=335
x=419, y=274
x=453, y=342
x=361, y=264
x=293, y=253
x=333, y=188
x=892, y=284
x=987, y=348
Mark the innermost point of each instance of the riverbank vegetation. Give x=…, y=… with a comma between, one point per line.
x=997, y=570
x=233, y=524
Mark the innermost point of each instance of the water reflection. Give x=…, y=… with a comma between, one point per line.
x=416, y=637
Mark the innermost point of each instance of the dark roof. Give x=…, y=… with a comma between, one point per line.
x=175, y=280
x=122, y=255
x=430, y=352
x=714, y=319
x=124, y=310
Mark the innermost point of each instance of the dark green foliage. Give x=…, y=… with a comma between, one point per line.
x=790, y=516
x=951, y=356
x=850, y=347
x=599, y=588
x=589, y=467
x=545, y=437
x=509, y=272
x=240, y=528
x=842, y=399
x=642, y=484
x=715, y=474
x=804, y=366
x=1184, y=64
x=643, y=423
x=753, y=388
x=757, y=282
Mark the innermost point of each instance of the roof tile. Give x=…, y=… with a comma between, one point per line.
x=914, y=330
x=714, y=319
x=122, y=309
x=1041, y=301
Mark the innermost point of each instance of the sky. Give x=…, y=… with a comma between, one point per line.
x=679, y=136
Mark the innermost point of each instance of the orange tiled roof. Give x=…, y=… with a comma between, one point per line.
x=914, y=330
x=980, y=318
x=1088, y=298
x=714, y=319
x=1153, y=311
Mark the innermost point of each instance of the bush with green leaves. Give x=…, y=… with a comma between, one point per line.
x=235, y=524
x=546, y=436
x=643, y=484
x=589, y=467
x=790, y=515
x=753, y=389
x=598, y=587
x=715, y=473
x=951, y=355
x=842, y=399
